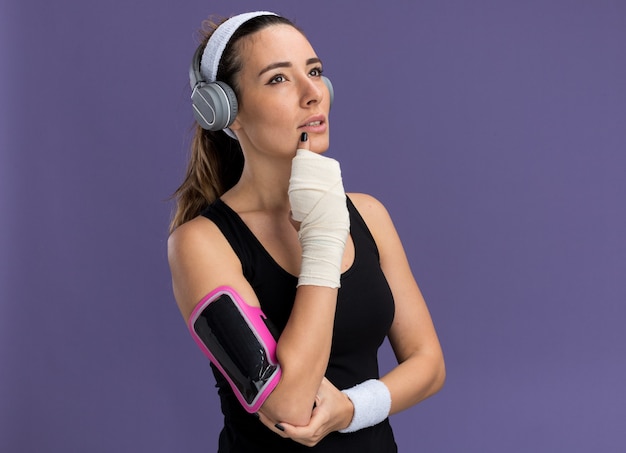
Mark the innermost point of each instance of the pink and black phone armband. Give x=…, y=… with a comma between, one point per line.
x=236, y=337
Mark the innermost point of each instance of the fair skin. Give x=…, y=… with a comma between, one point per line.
x=281, y=96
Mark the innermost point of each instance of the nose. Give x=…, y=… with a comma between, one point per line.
x=312, y=91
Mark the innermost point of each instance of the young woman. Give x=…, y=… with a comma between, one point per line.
x=273, y=223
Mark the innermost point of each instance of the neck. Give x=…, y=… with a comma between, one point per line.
x=263, y=185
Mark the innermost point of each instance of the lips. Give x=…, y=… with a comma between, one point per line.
x=315, y=123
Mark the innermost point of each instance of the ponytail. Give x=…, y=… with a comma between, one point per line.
x=215, y=165
x=216, y=160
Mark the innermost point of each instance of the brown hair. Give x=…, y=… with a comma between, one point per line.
x=216, y=160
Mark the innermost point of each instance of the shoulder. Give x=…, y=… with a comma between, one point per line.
x=378, y=221
x=199, y=241
x=196, y=245
x=371, y=209
x=200, y=260
x=366, y=202
x=195, y=233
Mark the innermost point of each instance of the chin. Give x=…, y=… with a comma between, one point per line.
x=320, y=145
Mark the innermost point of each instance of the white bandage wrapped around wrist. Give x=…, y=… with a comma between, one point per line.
x=372, y=403
x=318, y=202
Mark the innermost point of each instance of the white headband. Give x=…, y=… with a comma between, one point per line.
x=219, y=39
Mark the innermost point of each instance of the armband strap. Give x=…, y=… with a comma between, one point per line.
x=372, y=403
x=237, y=339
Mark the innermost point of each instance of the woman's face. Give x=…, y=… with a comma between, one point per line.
x=281, y=93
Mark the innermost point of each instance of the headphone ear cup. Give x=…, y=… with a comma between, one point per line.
x=214, y=105
x=329, y=85
x=232, y=108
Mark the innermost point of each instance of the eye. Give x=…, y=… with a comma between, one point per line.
x=279, y=78
x=316, y=72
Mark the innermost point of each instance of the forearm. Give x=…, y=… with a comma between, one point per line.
x=303, y=351
x=318, y=207
x=415, y=379
x=319, y=211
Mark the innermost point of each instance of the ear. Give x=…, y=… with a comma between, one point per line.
x=236, y=125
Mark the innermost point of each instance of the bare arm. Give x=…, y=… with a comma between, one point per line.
x=421, y=371
x=201, y=259
x=303, y=351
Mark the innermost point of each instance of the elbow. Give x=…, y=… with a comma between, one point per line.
x=292, y=400
x=293, y=410
x=298, y=387
x=441, y=380
x=439, y=375
x=294, y=414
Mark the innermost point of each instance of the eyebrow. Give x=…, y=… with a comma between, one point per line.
x=286, y=64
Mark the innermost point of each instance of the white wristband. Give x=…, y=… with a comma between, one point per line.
x=372, y=403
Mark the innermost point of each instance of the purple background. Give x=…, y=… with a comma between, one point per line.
x=494, y=131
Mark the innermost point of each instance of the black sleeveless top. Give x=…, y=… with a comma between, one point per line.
x=364, y=313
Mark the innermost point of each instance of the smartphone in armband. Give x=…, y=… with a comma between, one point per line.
x=238, y=340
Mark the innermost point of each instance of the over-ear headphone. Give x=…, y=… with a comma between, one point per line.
x=214, y=103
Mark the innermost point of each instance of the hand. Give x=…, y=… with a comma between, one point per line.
x=318, y=202
x=333, y=411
